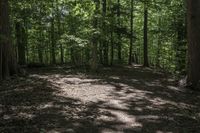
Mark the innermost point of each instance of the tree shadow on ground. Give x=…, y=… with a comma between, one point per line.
x=34, y=105
x=124, y=99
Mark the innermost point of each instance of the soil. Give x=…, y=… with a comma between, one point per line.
x=114, y=100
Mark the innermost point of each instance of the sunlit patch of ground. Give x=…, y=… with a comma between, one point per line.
x=117, y=100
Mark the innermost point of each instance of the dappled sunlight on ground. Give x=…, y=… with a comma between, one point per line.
x=118, y=100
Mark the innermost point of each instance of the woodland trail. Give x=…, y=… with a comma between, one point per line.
x=116, y=100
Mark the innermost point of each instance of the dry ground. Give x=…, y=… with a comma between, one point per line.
x=116, y=100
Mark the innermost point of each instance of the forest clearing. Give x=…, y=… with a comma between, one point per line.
x=116, y=100
x=100, y=66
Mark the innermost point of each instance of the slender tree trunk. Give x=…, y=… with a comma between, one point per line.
x=111, y=32
x=26, y=39
x=136, y=58
x=119, y=33
x=1, y=54
x=146, y=62
x=112, y=47
x=40, y=49
x=100, y=50
x=181, y=45
x=20, y=43
x=159, y=44
x=1, y=62
x=193, y=42
x=94, y=39
x=40, y=43
x=131, y=36
x=53, y=56
x=24, y=43
x=105, y=44
x=72, y=55
x=59, y=33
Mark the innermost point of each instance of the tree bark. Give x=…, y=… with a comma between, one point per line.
x=180, y=50
x=193, y=27
x=119, y=33
x=7, y=61
x=53, y=56
x=94, y=39
x=159, y=44
x=59, y=32
x=112, y=46
x=40, y=45
x=20, y=31
x=146, y=62
x=131, y=36
x=105, y=44
x=111, y=36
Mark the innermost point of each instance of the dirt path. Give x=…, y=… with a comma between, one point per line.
x=117, y=100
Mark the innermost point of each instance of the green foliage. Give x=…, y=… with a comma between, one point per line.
x=73, y=28
x=75, y=41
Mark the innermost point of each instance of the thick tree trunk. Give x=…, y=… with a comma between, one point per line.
x=146, y=62
x=193, y=42
x=5, y=38
x=7, y=61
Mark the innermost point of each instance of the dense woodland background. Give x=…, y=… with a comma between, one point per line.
x=99, y=33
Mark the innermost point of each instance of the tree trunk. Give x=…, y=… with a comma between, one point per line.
x=20, y=31
x=59, y=33
x=7, y=61
x=105, y=44
x=53, y=56
x=193, y=42
x=119, y=33
x=112, y=47
x=159, y=44
x=181, y=45
x=111, y=36
x=25, y=39
x=146, y=62
x=40, y=45
x=131, y=36
x=94, y=40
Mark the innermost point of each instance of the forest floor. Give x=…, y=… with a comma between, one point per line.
x=115, y=100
